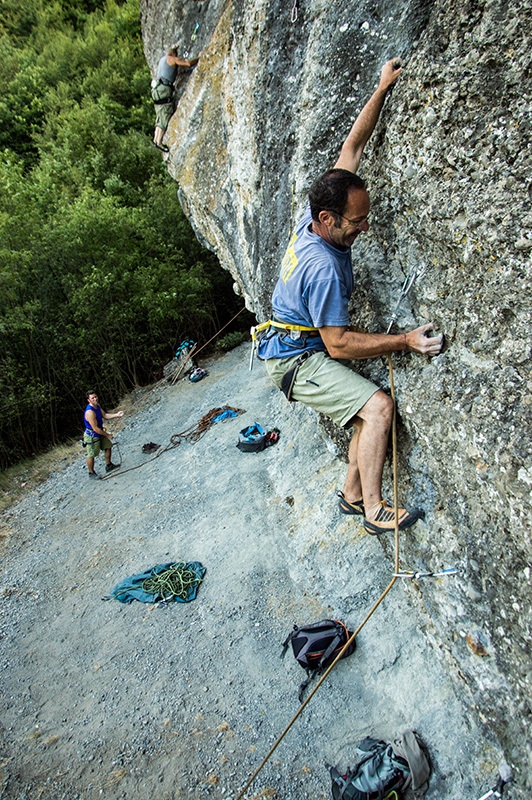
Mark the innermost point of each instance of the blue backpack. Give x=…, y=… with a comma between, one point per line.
x=252, y=439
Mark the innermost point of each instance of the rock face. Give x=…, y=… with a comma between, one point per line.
x=448, y=170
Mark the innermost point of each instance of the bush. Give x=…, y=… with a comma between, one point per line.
x=229, y=341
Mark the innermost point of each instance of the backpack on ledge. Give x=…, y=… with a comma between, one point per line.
x=383, y=770
x=252, y=439
x=315, y=646
x=378, y=773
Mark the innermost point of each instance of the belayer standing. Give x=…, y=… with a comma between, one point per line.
x=163, y=93
x=309, y=331
x=96, y=438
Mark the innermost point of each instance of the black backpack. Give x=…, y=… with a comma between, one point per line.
x=315, y=646
x=379, y=774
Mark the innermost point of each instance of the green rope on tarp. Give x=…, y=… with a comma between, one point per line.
x=172, y=582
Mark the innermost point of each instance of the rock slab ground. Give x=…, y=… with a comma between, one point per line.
x=101, y=699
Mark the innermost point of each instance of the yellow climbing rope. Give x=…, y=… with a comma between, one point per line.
x=176, y=581
x=372, y=609
x=191, y=434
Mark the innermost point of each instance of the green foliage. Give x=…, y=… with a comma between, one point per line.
x=69, y=57
x=229, y=341
x=18, y=19
x=100, y=274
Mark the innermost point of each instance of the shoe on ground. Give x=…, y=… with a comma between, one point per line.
x=385, y=519
x=150, y=447
x=347, y=507
x=110, y=467
x=94, y=476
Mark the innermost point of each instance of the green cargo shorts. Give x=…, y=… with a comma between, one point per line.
x=163, y=115
x=163, y=111
x=93, y=446
x=326, y=385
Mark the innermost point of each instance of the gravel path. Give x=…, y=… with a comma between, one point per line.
x=101, y=699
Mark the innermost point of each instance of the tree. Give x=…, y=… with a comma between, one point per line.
x=100, y=274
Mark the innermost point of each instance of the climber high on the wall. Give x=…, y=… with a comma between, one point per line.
x=162, y=92
x=309, y=332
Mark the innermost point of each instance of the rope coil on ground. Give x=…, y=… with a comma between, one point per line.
x=173, y=582
x=200, y=428
x=191, y=434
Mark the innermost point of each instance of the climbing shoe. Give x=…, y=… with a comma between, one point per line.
x=385, y=519
x=110, y=467
x=346, y=507
x=94, y=476
x=162, y=147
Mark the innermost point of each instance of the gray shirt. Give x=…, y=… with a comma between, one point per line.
x=165, y=71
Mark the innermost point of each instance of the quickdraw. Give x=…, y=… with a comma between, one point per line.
x=505, y=776
x=417, y=575
x=192, y=38
x=408, y=282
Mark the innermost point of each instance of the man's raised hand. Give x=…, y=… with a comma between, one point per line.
x=390, y=72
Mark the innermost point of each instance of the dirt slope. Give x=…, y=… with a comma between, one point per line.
x=100, y=699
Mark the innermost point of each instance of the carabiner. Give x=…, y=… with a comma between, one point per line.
x=293, y=16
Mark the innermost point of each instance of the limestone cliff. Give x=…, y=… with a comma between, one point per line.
x=448, y=170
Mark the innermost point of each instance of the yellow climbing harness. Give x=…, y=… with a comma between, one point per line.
x=271, y=323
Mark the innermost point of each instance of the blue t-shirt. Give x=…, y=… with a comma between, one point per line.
x=99, y=419
x=313, y=290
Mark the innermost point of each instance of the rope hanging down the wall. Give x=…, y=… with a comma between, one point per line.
x=397, y=573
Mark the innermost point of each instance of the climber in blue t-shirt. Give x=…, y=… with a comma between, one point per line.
x=95, y=437
x=312, y=294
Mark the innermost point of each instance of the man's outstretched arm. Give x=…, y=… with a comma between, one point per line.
x=364, y=124
x=175, y=61
x=343, y=343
